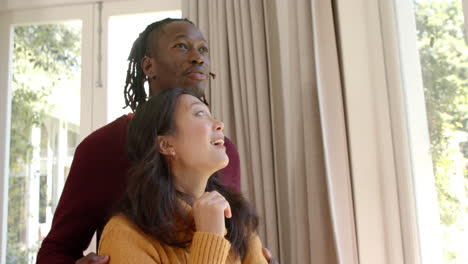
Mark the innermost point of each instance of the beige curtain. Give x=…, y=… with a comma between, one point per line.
x=278, y=92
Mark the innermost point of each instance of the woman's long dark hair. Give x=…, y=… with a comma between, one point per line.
x=151, y=200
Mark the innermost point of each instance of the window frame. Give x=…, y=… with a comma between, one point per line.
x=5, y=110
x=37, y=16
x=465, y=14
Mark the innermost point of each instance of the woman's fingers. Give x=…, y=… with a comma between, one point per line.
x=209, y=212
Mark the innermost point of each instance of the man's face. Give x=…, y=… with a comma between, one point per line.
x=179, y=57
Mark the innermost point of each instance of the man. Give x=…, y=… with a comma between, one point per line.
x=169, y=53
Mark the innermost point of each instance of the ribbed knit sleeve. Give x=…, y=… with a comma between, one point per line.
x=209, y=248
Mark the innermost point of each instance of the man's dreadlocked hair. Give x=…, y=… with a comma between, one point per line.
x=134, y=90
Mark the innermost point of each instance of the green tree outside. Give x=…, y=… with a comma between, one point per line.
x=53, y=51
x=444, y=61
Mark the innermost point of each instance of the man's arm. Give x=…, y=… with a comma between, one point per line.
x=73, y=224
x=95, y=182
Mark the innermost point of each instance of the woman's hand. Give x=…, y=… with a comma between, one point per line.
x=209, y=212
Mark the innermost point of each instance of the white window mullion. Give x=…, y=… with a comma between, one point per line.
x=465, y=14
x=5, y=106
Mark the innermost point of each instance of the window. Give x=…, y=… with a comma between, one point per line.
x=439, y=37
x=45, y=87
x=444, y=62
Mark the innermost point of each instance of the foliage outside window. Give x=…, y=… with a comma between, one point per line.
x=443, y=51
x=43, y=55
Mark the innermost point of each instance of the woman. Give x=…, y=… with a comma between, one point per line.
x=175, y=209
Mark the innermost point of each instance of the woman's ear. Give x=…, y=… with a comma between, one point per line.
x=165, y=145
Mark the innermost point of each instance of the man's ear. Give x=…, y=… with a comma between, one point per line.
x=147, y=67
x=165, y=145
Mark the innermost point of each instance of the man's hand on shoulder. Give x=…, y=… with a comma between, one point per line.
x=269, y=257
x=92, y=258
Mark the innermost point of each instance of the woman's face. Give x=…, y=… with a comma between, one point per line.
x=198, y=141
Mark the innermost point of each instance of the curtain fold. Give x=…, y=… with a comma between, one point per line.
x=278, y=91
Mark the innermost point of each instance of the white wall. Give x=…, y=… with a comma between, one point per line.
x=28, y=4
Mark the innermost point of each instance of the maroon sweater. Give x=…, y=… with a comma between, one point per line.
x=96, y=181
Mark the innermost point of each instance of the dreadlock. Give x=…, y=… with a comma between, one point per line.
x=134, y=90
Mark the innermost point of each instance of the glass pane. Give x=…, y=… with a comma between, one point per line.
x=444, y=61
x=123, y=30
x=45, y=123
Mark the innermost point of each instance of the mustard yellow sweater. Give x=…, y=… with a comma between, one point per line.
x=124, y=242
